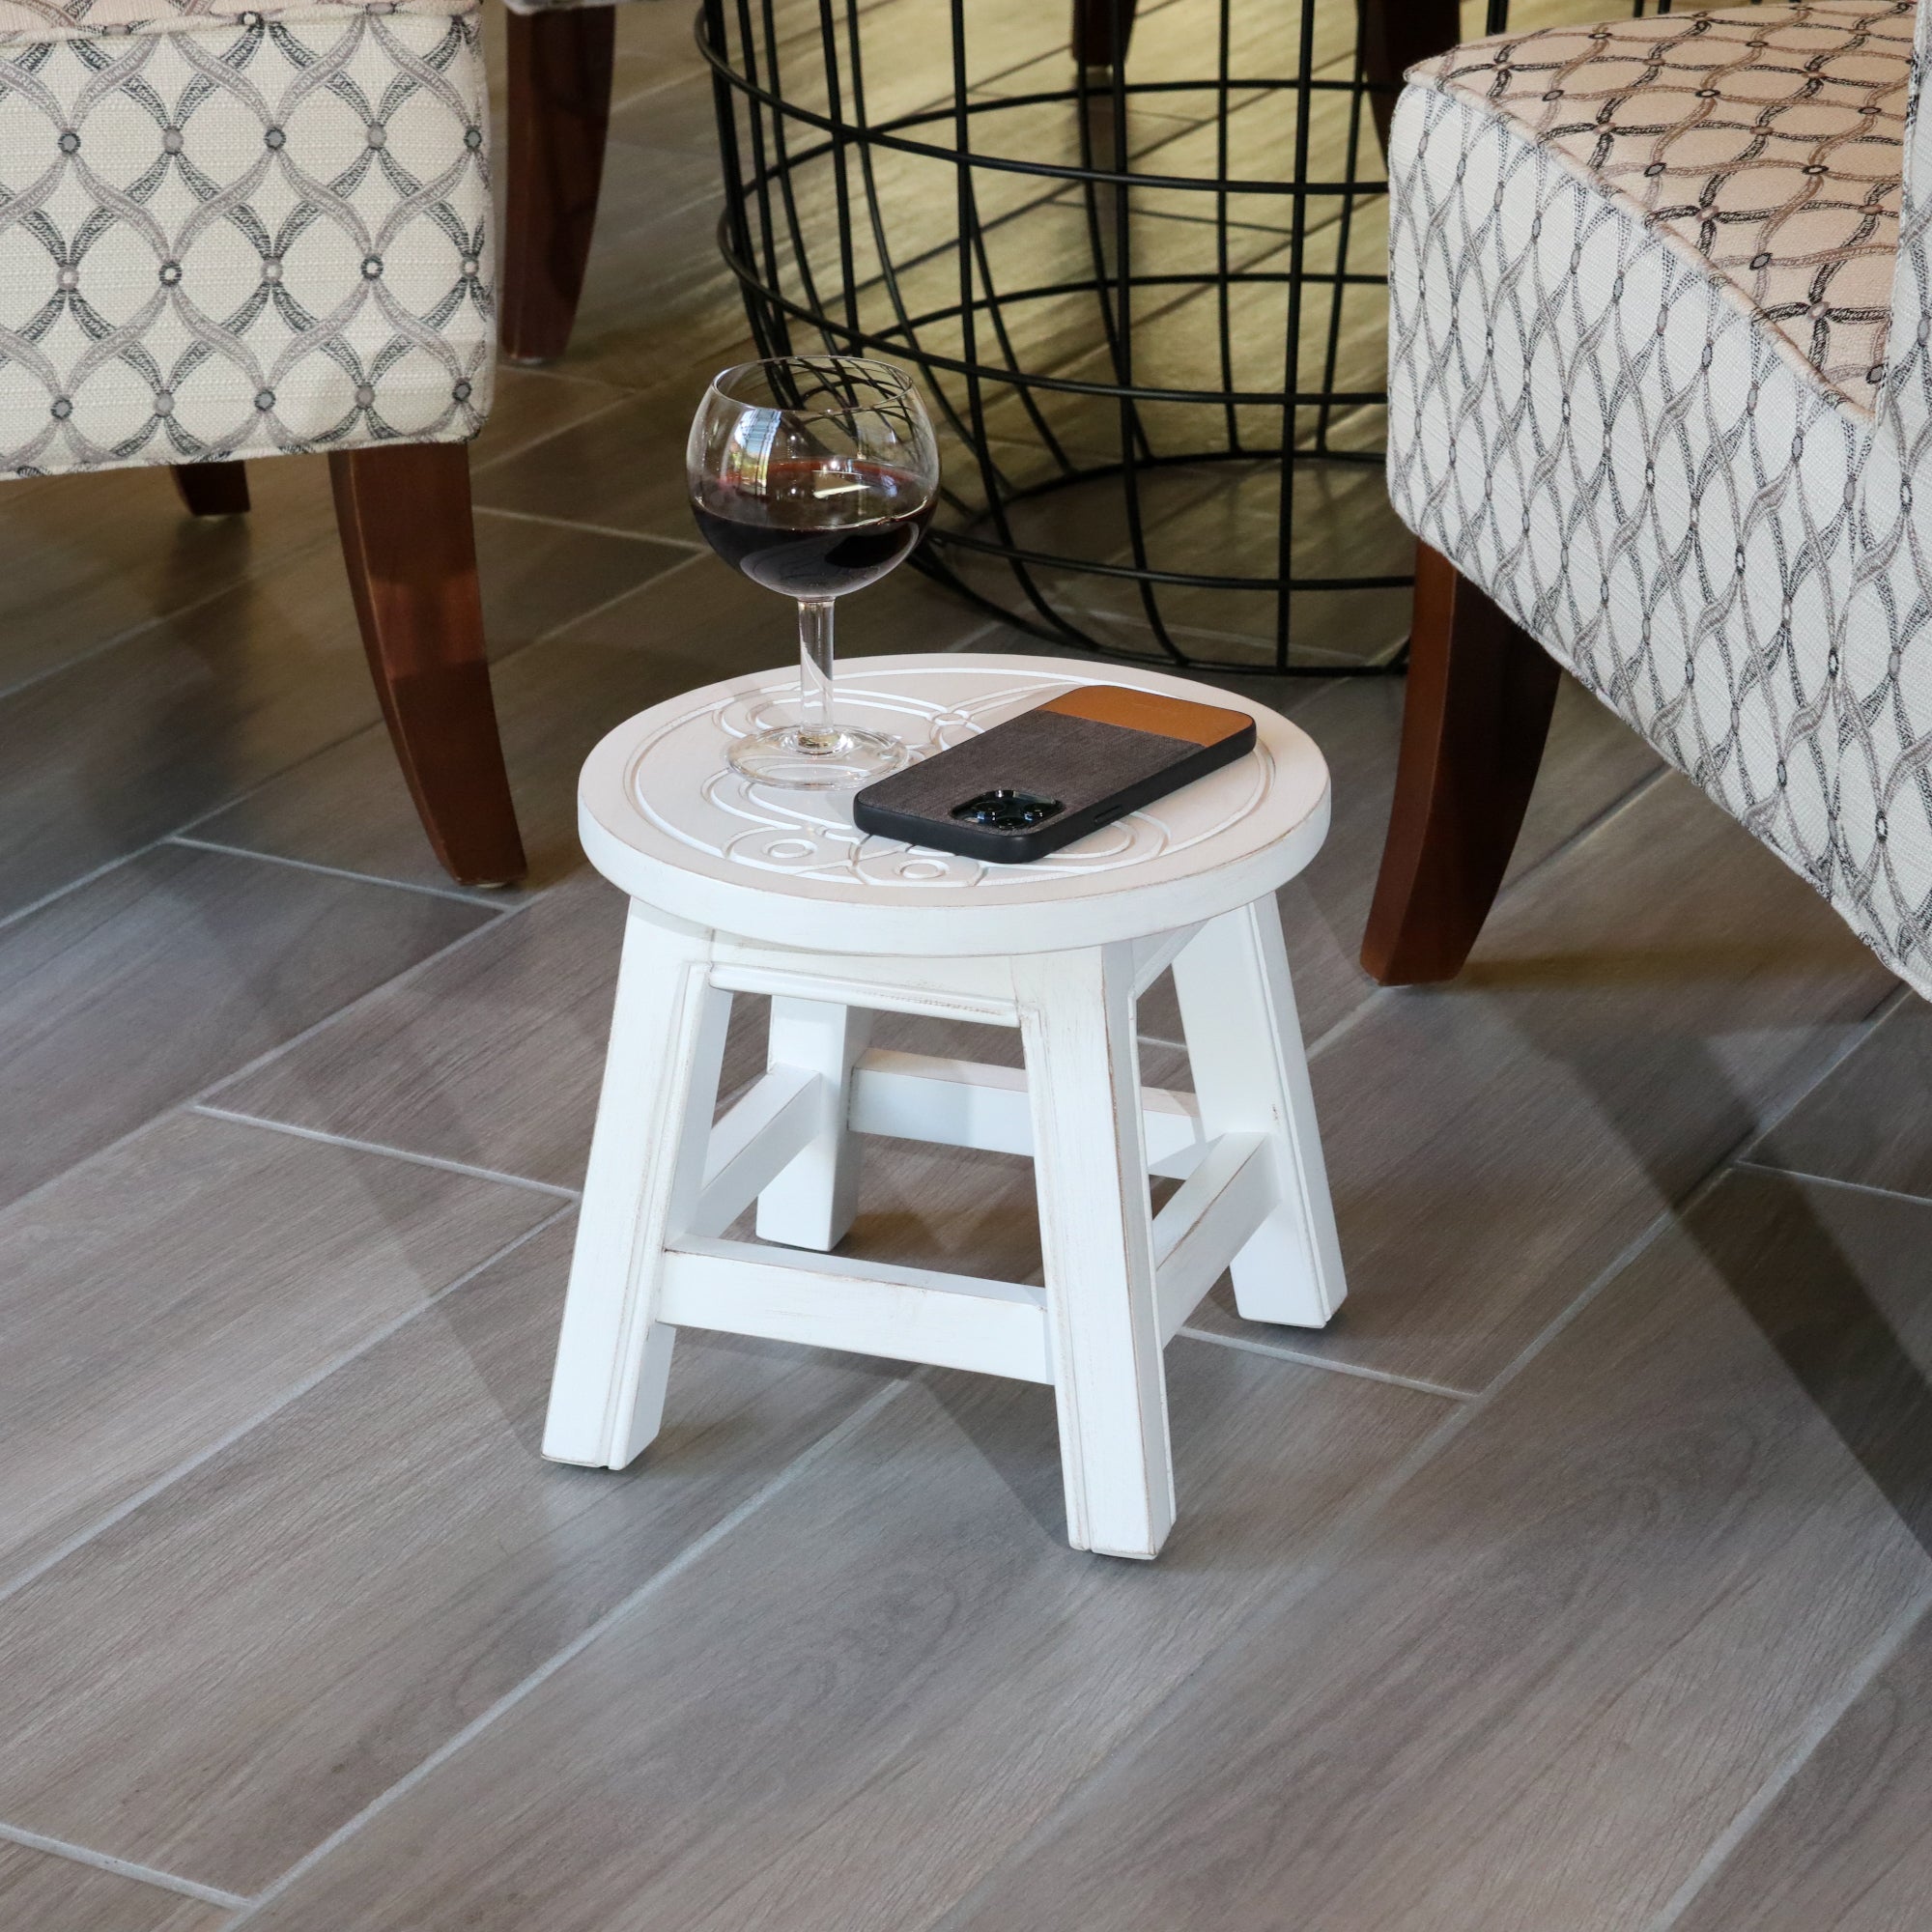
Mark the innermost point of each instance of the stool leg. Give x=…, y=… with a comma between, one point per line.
x=812, y=1203
x=646, y=1161
x=1090, y=1165
x=1251, y=1076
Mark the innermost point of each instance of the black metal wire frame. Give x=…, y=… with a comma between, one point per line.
x=771, y=142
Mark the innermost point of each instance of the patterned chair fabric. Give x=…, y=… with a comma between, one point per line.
x=229, y=233
x=1660, y=386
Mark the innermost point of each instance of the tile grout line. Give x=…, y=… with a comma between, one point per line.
x=82, y=1855
x=1249, y=1346
x=1371, y=1002
x=685, y=1558
x=597, y=415
x=14, y=1585
x=1824, y=1722
x=314, y=1027
x=271, y=777
x=177, y=835
x=154, y=622
x=483, y=900
x=1628, y=1256
x=263, y=783
x=1325, y=1558
x=552, y=372
x=563, y=631
x=1771, y=1172
x=441, y=1163
x=106, y=1148
x=99, y=871
x=1671, y=1215
x=1859, y=1032
x=692, y=546
x=193, y=1102
x=181, y=833
x=1615, y=808
x=1377, y=995
x=158, y=619
x=1317, y=657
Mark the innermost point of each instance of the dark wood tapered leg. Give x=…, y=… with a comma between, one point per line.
x=1480, y=692
x=213, y=488
x=1393, y=35
x=560, y=109
x=403, y=514
x=1096, y=23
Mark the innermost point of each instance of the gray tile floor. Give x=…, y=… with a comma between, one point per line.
x=1576, y=1581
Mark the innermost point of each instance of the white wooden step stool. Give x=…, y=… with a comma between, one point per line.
x=736, y=888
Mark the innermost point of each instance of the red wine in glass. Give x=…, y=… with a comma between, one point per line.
x=815, y=475
x=778, y=537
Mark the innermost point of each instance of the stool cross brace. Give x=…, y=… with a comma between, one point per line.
x=665, y=1182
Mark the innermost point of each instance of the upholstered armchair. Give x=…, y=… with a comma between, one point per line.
x=1660, y=413
x=230, y=234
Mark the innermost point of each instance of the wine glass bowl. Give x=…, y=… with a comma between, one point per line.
x=815, y=475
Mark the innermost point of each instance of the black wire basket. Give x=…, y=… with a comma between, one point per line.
x=1135, y=276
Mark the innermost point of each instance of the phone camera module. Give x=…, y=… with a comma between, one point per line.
x=1005, y=810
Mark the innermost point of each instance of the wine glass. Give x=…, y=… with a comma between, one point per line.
x=814, y=474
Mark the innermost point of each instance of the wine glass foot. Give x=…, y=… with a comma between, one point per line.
x=839, y=759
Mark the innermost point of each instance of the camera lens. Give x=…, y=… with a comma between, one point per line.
x=1005, y=810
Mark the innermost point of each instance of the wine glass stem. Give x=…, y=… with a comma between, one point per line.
x=816, y=730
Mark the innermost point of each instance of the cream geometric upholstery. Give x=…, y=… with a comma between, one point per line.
x=231, y=232
x=1765, y=143
x=1659, y=385
x=23, y=21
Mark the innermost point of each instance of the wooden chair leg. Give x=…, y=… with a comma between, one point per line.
x=1480, y=692
x=213, y=488
x=561, y=63
x=1393, y=35
x=403, y=511
x=1096, y=24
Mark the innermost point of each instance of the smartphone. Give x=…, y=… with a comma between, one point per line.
x=1054, y=774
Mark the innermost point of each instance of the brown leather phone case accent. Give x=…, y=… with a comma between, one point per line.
x=1054, y=774
x=1148, y=711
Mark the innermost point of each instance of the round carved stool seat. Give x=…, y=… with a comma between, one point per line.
x=664, y=817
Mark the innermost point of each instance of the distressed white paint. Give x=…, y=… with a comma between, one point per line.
x=1251, y=1076
x=1064, y=954
x=867, y=1308
x=809, y=1203
x=1096, y=1238
x=916, y=1097
x=659, y=1086
x=662, y=815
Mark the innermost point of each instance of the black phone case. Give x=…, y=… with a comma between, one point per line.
x=1091, y=771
